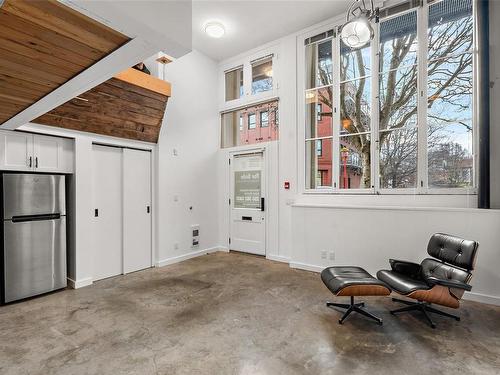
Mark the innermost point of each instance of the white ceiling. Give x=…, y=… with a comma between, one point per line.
x=250, y=24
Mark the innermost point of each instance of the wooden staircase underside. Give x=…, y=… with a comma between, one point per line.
x=131, y=105
x=43, y=44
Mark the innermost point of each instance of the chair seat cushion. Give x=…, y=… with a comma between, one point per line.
x=351, y=280
x=401, y=283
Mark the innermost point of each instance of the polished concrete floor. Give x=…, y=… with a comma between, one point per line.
x=233, y=314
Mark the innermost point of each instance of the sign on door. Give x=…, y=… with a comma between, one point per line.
x=247, y=189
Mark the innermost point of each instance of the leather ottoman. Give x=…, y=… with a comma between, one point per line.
x=353, y=281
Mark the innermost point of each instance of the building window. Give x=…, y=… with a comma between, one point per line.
x=234, y=83
x=239, y=127
x=251, y=121
x=262, y=74
x=398, y=119
x=264, y=119
x=319, y=147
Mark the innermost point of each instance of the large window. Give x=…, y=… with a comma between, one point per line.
x=400, y=116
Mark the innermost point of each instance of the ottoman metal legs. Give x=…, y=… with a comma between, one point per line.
x=356, y=307
x=350, y=281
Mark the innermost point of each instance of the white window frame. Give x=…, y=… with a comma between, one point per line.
x=246, y=61
x=422, y=165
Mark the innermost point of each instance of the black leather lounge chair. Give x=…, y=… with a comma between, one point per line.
x=440, y=281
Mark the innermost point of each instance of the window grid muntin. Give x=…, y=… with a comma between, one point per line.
x=421, y=95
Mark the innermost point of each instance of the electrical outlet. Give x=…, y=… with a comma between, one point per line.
x=323, y=254
x=332, y=255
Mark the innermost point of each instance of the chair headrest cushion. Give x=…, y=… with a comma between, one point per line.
x=453, y=250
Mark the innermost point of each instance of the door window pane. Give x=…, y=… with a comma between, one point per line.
x=319, y=67
x=262, y=75
x=319, y=113
x=247, y=189
x=398, y=158
x=355, y=172
x=234, y=84
x=319, y=165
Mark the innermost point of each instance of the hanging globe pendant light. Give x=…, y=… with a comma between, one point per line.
x=357, y=30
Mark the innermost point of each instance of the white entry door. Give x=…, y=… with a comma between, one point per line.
x=136, y=210
x=248, y=227
x=107, y=223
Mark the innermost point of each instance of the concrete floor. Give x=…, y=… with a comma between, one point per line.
x=234, y=314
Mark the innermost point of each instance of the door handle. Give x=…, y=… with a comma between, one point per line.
x=36, y=162
x=148, y=209
x=96, y=212
x=262, y=204
x=30, y=162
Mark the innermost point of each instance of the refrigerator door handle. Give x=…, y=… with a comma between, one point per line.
x=24, y=218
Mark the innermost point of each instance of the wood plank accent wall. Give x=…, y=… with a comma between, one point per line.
x=131, y=105
x=43, y=44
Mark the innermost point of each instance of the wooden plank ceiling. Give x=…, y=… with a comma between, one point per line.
x=43, y=44
x=131, y=105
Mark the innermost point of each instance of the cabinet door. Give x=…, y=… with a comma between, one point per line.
x=47, y=153
x=16, y=151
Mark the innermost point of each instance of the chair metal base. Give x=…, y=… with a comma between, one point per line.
x=425, y=308
x=354, y=307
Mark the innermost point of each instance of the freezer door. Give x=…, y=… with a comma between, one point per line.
x=33, y=194
x=34, y=257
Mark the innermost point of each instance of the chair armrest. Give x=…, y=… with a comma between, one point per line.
x=406, y=268
x=448, y=283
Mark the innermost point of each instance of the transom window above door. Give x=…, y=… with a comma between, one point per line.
x=254, y=124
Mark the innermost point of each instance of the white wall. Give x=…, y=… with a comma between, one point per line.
x=191, y=129
x=368, y=237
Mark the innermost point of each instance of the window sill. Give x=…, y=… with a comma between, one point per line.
x=404, y=200
x=393, y=208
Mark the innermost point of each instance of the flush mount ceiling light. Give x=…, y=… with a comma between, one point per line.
x=215, y=29
x=357, y=30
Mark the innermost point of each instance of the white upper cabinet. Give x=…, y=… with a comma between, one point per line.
x=33, y=152
x=16, y=150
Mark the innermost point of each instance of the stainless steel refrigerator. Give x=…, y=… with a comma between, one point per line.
x=34, y=235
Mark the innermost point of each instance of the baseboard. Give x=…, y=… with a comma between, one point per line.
x=224, y=249
x=183, y=257
x=483, y=298
x=306, y=267
x=79, y=283
x=277, y=258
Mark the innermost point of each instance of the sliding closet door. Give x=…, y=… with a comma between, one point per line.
x=107, y=223
x=136, y=210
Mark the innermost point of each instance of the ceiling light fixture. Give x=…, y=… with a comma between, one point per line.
x=357, y=30
x=215, y=29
